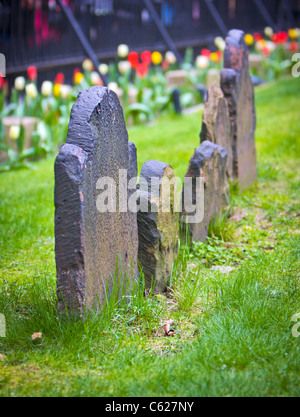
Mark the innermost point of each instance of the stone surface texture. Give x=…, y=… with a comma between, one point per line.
x=90, y=246
x=158, y=230
x=238, y=90
x=209, y=162
x=216, y=123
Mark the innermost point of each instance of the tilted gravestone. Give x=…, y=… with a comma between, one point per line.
x=94, y=246
x=216, y=123
x=209, y=164
x=157, y=223
x=237, y=87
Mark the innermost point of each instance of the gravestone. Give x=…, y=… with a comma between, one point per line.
x=157, y=224
x=216, y=123
x=93, y=246
x=209, y=163
x=238, y=90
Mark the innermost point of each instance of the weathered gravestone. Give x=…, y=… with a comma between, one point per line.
x=157, y=223
x=216, y=123
x=238, y=90
x=93, y=246
x=209, y=164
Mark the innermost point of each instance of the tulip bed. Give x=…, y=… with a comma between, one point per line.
x=140, y=80
x=233, y=331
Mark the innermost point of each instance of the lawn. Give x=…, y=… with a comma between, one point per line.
x=233, y=332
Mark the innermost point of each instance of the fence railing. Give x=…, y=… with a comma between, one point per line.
x=36, y=32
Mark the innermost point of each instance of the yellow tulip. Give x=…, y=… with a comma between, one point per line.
x=57, y=90
x=78, y=78
x=293, y=34
x=249, y=39
x=156, y=58
x=214, y=57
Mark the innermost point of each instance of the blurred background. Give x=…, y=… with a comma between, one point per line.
x=39, y=33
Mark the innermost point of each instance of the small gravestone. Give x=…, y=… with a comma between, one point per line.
x=157, y=223
x=238, y=90
x=209, y=164
x=96, y=240
x=216, y=123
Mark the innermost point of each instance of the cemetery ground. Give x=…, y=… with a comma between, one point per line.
x=232, y=331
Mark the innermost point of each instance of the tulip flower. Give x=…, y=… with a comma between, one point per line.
x=205, y=52
x=257, y=37
x=124, y=67
x=31, y=90
x=214, y=57
x=32, y=73
x=220, y=43
x=47, y=88
x=60, y=78
x=146, y=57
x=64, y=90
x=103, y=69
x=293, y=34
x=156, y=58
x=113, y=87
x=123, y=51
x=14, y=132
x=88, y=65
x=95, y=78
x=202, y=62
x=79, y=77
x=170, y=58
x=269, y=32
x=249, y=39
x=142, y=70
x=20, y=83
x=56, y=90
x=133, y=58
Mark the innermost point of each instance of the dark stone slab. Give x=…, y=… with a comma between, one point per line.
x=90, y=244
x=158, y=229
x=208, y=162
x=237, y=87
x=216, y=123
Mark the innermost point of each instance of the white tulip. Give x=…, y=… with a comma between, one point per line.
x=170, y=57
x=220, y=43
x=113, y=87
x=65, y=91
x=103, y=69
x=123, y=51
x=88, y=65
x=270, y=46
x=202, y=62
x=47, y=88
x=124, y=67
x=95, y=78
x=269, y=31
x=20, y=83
x=14, y=132
x=31, y=90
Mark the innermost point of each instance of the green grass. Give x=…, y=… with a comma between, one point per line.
x=232, y=331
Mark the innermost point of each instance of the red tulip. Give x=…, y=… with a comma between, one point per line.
x=142, y=70
x=280, y=37
x=146, y=57
x=60, y=78
x=133, y=58
x=257, y=36
x=32, y=73
x=294, y=46
x=206, y=52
